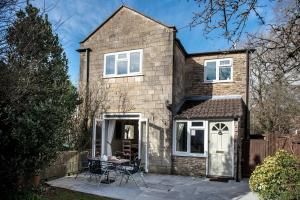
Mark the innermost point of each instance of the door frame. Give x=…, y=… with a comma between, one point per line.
x=120, y=116
x=232, y=148
x=140, y=140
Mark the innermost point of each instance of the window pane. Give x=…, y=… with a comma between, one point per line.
x=110, y=64
x=135, y=62
x=197, y=123
x=122, y=67
x=224, y=62
x=210, y=71
x=181, y=136
x=197, y=141
x=122, y=56
x=225, y=73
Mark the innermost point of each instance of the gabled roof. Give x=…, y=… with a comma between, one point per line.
x=116, y=13
x=211, y=108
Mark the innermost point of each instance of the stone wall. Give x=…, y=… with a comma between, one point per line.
x=189, y=166
x=195, y=77
x=148, y=93
x=167, y=76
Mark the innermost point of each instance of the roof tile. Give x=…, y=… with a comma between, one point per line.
x=211, y=108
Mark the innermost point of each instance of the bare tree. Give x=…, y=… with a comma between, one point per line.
x=93, y=104
x=124, y=103
x=8, y=9
x=275, y=74
x=231, y=16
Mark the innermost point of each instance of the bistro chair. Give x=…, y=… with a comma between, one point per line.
x=84, y=166
x=129, y=171
x=97, y=169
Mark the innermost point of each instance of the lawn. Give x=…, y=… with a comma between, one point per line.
x=63, y=194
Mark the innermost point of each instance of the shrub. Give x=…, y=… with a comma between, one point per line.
x=277, y=177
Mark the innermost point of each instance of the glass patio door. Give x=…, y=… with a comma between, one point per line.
x=143, y=142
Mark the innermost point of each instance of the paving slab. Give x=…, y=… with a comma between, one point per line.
x=160, y=187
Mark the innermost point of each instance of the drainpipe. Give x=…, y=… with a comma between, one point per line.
x=87, y=58
x=247, y=134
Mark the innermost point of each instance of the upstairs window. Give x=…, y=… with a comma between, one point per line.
x=218, y=70
x=124, y=63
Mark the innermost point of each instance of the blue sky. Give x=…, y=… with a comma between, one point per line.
x=75, y=19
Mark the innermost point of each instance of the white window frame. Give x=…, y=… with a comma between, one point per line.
x=218, y=66
x=128, y=63
x=189, y=128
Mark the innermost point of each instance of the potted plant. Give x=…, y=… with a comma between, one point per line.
x=36, y=178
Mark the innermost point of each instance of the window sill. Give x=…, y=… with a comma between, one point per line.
x=190, y=155
x=122, y=76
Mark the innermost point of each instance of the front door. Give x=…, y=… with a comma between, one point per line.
x=220, y=149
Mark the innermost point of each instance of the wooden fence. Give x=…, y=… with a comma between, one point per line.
x=254, y=151
x=68, y=162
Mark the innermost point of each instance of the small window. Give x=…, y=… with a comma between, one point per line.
x=181, y=136
x=123, y=63
x=129, y=132
x=219, y=70
x=220, y=128
x=197, y=123
x=210, y=71
x=190, y=138
x=110, y=64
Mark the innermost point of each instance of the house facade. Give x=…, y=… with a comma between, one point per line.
x=181, y=113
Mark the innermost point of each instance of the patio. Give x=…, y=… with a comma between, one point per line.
x=160, y=187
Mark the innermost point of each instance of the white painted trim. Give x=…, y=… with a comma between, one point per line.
x=94, y=133
x=124, y=116
x=207, y=146
x=146, y=141
x=147, y=137
x=140, y=139
x=103, y=137
x=217, y=71
x=189, y=127
x=121, y=115
x=128, y=64
x=94, y=138
x=233, y=148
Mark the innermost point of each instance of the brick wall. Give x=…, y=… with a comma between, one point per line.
x=189, y=166
x=195, y=77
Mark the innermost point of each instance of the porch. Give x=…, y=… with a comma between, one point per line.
x=160, y=187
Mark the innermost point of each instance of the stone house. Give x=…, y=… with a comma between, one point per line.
x=180, y=113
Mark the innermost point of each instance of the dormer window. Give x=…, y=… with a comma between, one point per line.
x=218, y=70
x=125, y=63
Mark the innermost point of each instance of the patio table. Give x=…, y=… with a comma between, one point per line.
x=116, y=163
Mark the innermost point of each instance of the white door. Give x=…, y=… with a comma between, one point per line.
x=220, y=148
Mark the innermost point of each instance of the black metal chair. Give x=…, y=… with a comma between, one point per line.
x=97, y=169
x=129, y=171
x=84, y=166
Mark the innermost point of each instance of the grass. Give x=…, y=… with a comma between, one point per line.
x=63, y=194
